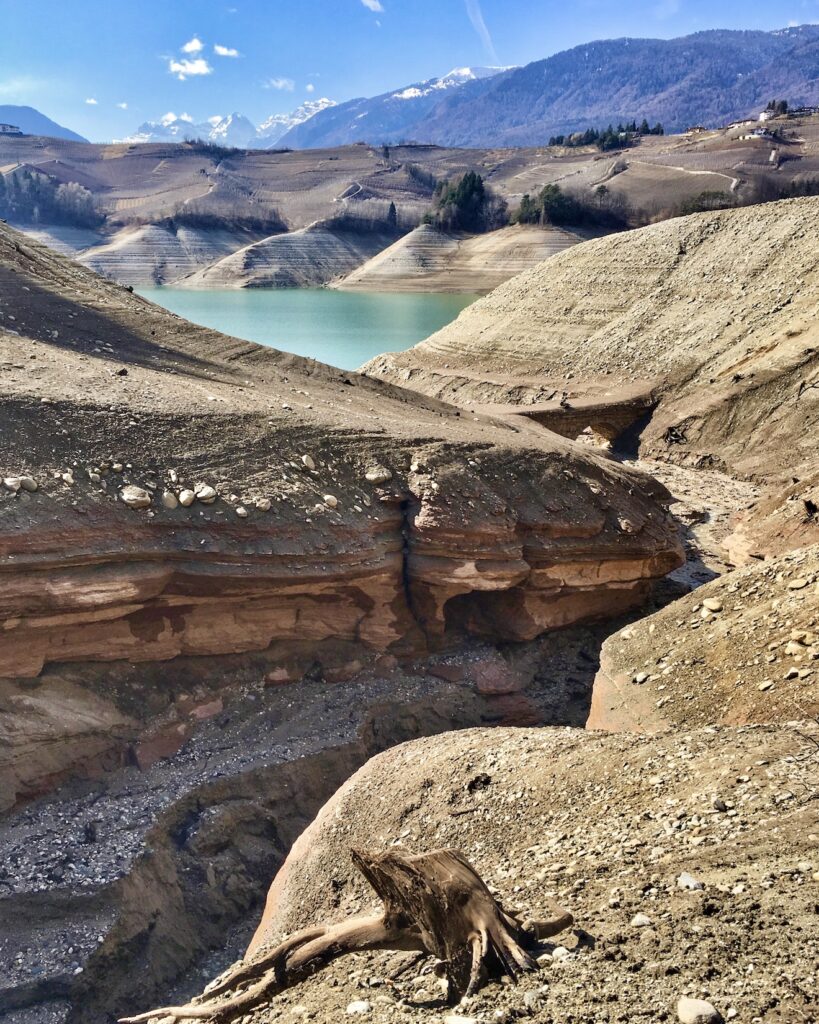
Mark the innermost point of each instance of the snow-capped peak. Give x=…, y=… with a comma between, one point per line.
x=277, y=125
x=453, y=79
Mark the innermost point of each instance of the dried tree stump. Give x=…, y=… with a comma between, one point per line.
x=434, y=903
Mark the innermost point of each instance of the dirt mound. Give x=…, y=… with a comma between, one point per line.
x=155, y=254
x=743, y=648
x=709, y=318
x=783, y=519
x=683, y=858
x=428, y=259
x=299, y=259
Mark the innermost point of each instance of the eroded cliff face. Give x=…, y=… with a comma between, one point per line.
x=169, y=493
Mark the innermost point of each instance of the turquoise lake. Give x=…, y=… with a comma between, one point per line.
x=342, y=328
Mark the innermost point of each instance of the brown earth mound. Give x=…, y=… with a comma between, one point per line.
x=709, y=319
x=683, y=858
x=743, y=648
x=168, y=491
x=782, y=520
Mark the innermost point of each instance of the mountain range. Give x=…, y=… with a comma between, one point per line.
x=391, y=117
x=707, y=78
x=32, y=122
x=232, y=130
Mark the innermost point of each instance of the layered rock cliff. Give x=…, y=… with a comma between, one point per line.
x=172, y=493
x=699, y=331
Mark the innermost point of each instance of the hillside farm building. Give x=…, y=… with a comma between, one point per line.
x=10, y=129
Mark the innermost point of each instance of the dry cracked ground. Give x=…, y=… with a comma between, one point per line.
x=231, y=576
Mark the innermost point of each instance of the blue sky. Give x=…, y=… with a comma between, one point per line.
x=138, y=60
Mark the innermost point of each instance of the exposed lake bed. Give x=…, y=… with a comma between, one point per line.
x=342, y=328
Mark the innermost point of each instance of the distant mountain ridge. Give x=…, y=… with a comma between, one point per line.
x=391, y=117
x=707, y=78
x=32, y=122
x=232, y=130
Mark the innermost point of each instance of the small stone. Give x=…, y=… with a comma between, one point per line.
x=117, y=467
x=330, y=501
x=456, y=1018
x=359, y=1006
x=241, y=511
x=720, y=805
x=186, y=498
x=206, y=494
x=765, y=685
x=135, y=497
x=169, y=499
x=28, y=483
x=713, y=604
x=532, y=1000
x=640, y=921
x=561, y=953
x=308, y=462
x=263, y=504
x=13, y=483
x=697, y=1011
x=798, y=584
x=686, y=881
x=641, y=677
x=378, y=475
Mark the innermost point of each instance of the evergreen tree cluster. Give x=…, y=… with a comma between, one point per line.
x=466, y=204
x=608, y=138
x=777, y=107
x=552, y=205
x=31, y=198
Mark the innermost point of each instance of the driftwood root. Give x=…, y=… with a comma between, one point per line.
x=434, y=904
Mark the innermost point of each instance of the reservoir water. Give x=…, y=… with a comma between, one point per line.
x=342, y=328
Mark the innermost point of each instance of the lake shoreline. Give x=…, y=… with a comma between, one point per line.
x=343, y=328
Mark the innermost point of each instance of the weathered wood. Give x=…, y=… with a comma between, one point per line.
x=434, y=903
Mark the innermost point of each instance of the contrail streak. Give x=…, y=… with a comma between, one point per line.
x=473, y=9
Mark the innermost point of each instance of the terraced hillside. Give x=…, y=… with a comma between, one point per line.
x=704, y=326
x=428, y=259
x=171, y=210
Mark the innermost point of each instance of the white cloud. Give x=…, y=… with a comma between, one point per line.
x=122, y=106
x=186, y=68
x=282, y=84
x=225, y=51
x=473, y=9
x=91, y=101
x=194, y=45
x=373, y=5
x=310, y=87
x=170, y=117
x=215, y=119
